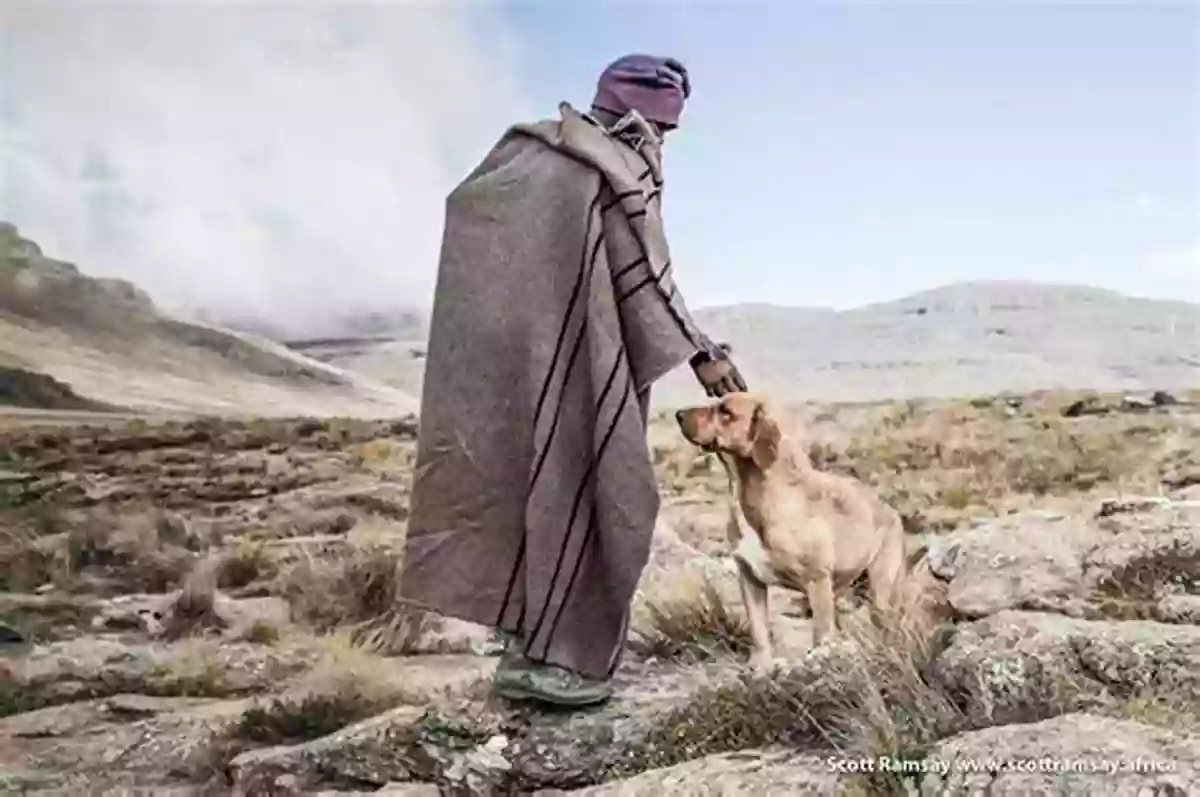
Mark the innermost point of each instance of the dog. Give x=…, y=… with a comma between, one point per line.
x=792, y=525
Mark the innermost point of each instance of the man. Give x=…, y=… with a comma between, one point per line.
x=534, y=498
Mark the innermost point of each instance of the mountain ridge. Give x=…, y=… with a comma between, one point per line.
x=106, y=339
x=108, y=342
x=962, y=338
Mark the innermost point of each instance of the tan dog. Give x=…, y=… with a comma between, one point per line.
x=791, y=524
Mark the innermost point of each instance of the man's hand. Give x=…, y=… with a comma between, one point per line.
x=716, y=372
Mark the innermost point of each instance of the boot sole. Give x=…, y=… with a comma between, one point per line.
x=514, y=692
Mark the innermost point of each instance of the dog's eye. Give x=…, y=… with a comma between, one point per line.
x=724, y=412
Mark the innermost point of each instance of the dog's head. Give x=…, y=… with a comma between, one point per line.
x=739, y=424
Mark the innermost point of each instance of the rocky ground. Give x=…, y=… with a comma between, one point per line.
x=209, y=607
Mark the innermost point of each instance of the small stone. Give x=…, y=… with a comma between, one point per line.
x=1162, y=398
x=1137, y=403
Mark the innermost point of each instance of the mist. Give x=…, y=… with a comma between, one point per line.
x=281, y=164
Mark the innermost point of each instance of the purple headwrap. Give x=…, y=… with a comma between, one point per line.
x=654, y=87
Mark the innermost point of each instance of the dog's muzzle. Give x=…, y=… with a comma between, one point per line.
x=681, y=419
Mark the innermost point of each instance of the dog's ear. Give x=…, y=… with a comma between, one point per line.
x=764, y=438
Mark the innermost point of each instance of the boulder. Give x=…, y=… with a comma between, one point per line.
x=675, y=566
x=124, y=744
x=1125, y=564
x=1032, y=562
x=480, y=747
x=1071, y=754
x=1027, y=666
x=89, y=668
x=750, y=773
x=1141, y=566
x=1179, y=609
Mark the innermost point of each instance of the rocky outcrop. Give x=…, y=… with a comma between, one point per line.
x=158, y=745
x=1035, y=563
x=1071, y=754
x=747, y=773
x=1138, y=564
x=94, y=667
x=40, y=287
x=171, y=715
x=482, y=748
x=1018, y=666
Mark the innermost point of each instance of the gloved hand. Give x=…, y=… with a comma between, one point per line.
x=716, y=372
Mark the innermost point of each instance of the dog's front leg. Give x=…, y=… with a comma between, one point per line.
x=819, y=588
x=754, y=597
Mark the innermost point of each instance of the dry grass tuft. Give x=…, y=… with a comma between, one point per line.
x=28, y=561
x=127, y=553
x=943, y=463
x=377, y=454
x=349, y=666
x=695, y=624
x=358, y=594
x=262, y=632
x=41, y=544
x=1132, y=591
x=33, y=546
x=350, y=683
x=44, y=618
x=902, y=712
x=1176, y=710
x=326, y=593
x=194, y=672
x=940, y=466
x=866, y=693
x=194, y=610
x=247, y=563
x=282, y=721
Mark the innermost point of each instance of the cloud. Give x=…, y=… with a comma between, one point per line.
x=287, y=162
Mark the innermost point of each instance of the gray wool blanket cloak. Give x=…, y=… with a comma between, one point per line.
x=534, y=499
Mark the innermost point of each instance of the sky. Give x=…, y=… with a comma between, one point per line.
x=279, y=159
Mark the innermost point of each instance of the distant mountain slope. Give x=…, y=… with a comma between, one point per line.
x=960, y=339
x=397, y=363
x=966, y=338
x=106, y=340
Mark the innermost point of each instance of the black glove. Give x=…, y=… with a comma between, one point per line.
x=716, y=372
